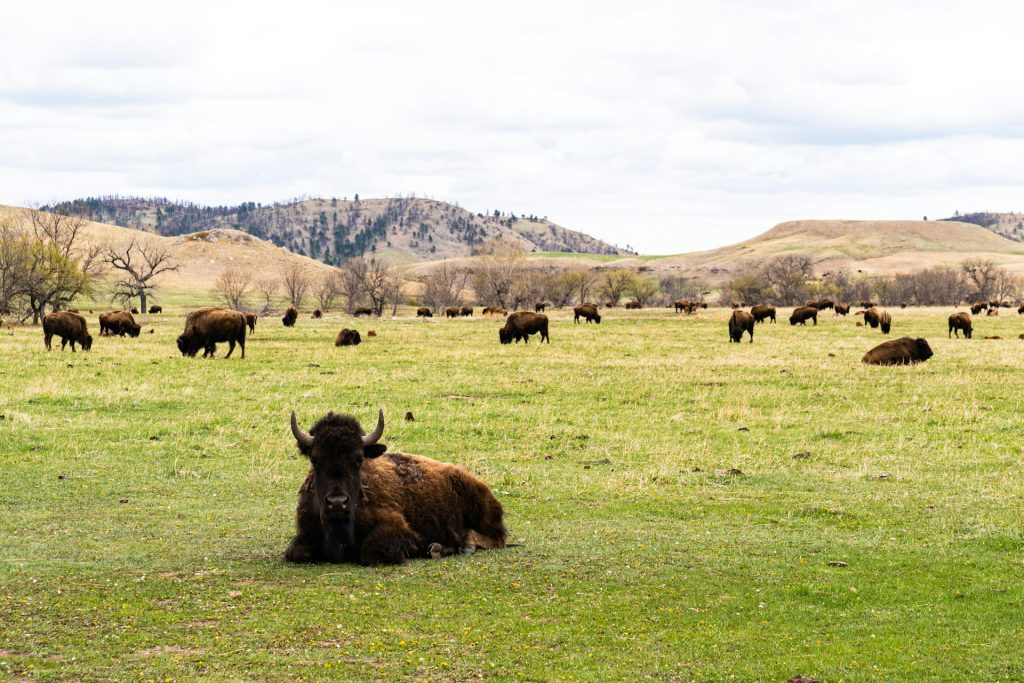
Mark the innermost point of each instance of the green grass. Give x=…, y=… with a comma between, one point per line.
x=146, y=501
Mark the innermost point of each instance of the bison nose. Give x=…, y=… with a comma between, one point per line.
x=337, y=503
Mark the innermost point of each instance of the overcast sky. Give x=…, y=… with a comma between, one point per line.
x=671, y=126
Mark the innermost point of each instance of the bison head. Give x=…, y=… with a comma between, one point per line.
x=133, y=330
x=924, y=351
x=86, y=342
x=597, y=317
x=187, y=345
x=505, y=336
x=336, y=447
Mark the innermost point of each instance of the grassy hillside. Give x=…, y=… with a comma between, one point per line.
x=1009, y=225
x=669, y=529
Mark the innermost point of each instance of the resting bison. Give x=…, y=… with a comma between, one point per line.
x=205, y=327
x=451, y=312
x=741, y=322
x=156, y=309
x=903, y=351
x=992, y=311
x=360, y=504
x=539, y=307
x=424, y=312
x=633, y=305
x=466, y=311
x=250, y=321
x=586, y=311
x=290, y=316
x=803, y=314
x=521, y=324
x=494, y=311
x=347, y=337
x=842, y=309
x=761, y=312
x=317, y=314
x=978, y=306
x=885, y=321
x=362, y=310
x=119, y=323
x=70, y=327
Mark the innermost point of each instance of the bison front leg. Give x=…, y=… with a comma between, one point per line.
x=390, y=542
x=301, y=550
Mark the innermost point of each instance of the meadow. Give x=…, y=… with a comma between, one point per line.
x=685, y=509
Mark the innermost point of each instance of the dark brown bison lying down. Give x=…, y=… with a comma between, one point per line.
x=466, y=311
x=290, y=316
x=317, y=314
x=631, y=305
x=205, y=327
x=156, y=309
x=494, y=311
x=70, y=327
x=762, y=312
x=960, y=322
x=803, y=314
x=347, y=337
x=250, y=321
x=424, y=312
x=361, y=504
x=903, y=351
x=521, y=324
x=741, y=322
x=586, y=311
x=842, y=309
x=451, y=312
x=362, y=310
x=119, y=323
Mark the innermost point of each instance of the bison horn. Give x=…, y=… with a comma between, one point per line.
x=304, y=439
x=374, y=436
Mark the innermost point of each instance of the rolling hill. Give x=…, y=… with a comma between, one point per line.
x=1009, y=225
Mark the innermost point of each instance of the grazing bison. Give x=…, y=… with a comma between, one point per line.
x=361, y=504
x=521, y=324
x=903, y=351
x=741, y=322
x=290, y=316
x=633, y=305
x=156, y=309
x=885, y=321
x=317, y=314
x=424, y=312
x=347, y=337
x=134, y=311
x=588, y=312
x=451, y=312
x=978, y=306
x=820, y=304
x=842, y=309
x=250, y=321
x=362, y=310
x=205, y=327
x=540, y=306
x=466, y=311
x=803, y=314
x=761, y=312
x=867, y=304
x=119, y=323
x=70, y=327
x=870, y=317
x=681, y=305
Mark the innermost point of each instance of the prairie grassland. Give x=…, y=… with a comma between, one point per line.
x=647, y=468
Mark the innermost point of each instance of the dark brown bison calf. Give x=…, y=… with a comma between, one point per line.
x=347, y=337
x=70, y=327
x=903, y=351
x=803, y=314
x=762, y=312
x=361, y=504
x=960, y=322
x=540, y=306
x=521, y=324
x=740, y=322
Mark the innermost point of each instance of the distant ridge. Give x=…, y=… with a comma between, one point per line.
x=1009, y=225
x=405, y=229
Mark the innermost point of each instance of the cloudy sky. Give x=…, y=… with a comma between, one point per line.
x=670, y=126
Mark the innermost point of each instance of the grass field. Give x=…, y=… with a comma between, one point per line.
x=646, y=467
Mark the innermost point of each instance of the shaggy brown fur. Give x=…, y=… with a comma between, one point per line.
x=495, y=311
x=362, y=310
x=317, y=314
x=539, y=307
x=119, y=323
x=741, y=322
x=290, y=316
x=870, y=317
x=820, y=304
x=903, y=351
x=347, y=337
x=588, y=312
x=633, y=305
x=867, y=304
x=205, y=327
x=424, y=312
x=451, y=312
x=70, y=327
x=250, y=321
x=885, y=321
x=466, y=311
x=842, y=309
x=958, y=322
x=803, y=314
x=762, y=312
x=978, y=306
x=521, y=324
x=156, y=309
x=359, y=504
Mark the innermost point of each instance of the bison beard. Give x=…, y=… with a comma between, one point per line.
x=903, y=351
x=356, y=506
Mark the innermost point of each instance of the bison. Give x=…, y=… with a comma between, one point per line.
x=633, y=305
x=588, y=312
x=1020, y=311
x=119, y=323
x=424, y=312
x=70, y=327
x=205, y=327
x=362, y=310
x=347, y=337
x=451, y=312
x=156, y=309
x=317, y=314
x=494, y=311
x=841, y=309
x=681, y=305
x=903, y=351
x=290, y=316
x=540, y=306
x=250, y=321
x=885, y=321
x=134, y=311
x=978, y=306
x=360, y=504
x=803, y=314
x=871, y=317
x=992, y=310
x=741, y=322
x=762, y=312
x=466, y=311
x=867, y=304
x=521, y=324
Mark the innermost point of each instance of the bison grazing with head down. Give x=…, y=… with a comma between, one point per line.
x=871, y=317
x=250, y=320
x=290, y=316
x=762, y=312
x=885, y=321
x=741, y=322
x=451, y=312
x=362, y=310
x=205, y=327
x=347, y=337
x=903, y=351
x=70, y=327
x=521, y=324
x=960, y=322
x=119, y=323
x=978, y=306
x=361, y=504
x=466, y=311
x=424, y=312
x=586, y=311
x=842, y=309
x=803, y=314
x=156, y=309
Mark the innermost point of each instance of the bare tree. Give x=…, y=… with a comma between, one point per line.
x=642, y=290
x=351, y=285
x=788, y=276
x=497, y=270
x=295, y=282
x=267, y=288
x=614, y=283
x=444, y=284
x=326, y=289
x=232, y=286
x=138, y=264
x=980, y=275
x=15, y=256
